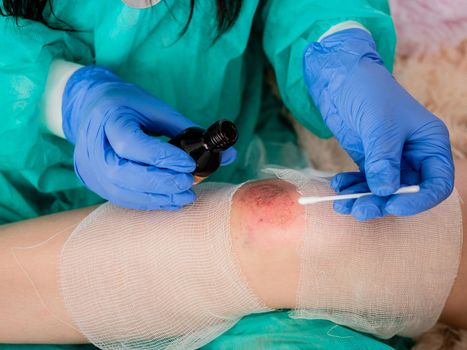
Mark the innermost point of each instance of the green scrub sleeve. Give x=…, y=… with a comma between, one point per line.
x=29, y=48
x=289, y=26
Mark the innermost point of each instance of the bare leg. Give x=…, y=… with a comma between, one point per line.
x=24, y=317
x=269, y=260
x=266, y=230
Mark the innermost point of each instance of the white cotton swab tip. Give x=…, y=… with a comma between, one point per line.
x=318, y=199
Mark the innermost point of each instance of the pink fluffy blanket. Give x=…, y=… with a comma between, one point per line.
x=432, y=60
x=425, y=26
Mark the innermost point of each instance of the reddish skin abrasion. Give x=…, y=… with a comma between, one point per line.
x=270, y=203
x=269, y=208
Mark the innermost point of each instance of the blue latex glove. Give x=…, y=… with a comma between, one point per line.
x=393, y=139
x=108, y=120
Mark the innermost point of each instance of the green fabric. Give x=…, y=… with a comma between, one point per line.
x=276, y=331
x=289, y=29
x=204, y=80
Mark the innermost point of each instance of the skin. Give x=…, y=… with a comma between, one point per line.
x=25, y=317
x=266, y=230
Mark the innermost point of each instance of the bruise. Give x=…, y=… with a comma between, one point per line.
x=266, y=194
x=267, y=208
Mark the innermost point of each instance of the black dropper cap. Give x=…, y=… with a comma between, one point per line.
x=221, y=135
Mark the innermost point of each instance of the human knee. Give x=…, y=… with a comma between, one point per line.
x=267, y=228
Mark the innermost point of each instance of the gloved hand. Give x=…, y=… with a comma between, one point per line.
x=108, y=120
x=393, y=139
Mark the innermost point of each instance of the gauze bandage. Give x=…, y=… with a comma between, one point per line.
x=170, y=280
x=385, y=277
x=156, y=280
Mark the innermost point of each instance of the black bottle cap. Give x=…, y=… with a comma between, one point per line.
x=221, y=135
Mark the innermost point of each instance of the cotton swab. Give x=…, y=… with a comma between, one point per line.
x=318, y=199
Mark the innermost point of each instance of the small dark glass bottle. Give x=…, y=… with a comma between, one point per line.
x=206, y=146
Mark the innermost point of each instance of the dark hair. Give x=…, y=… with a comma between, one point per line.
x=227, y=12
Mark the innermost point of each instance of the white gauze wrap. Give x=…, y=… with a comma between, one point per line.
x=156, y=280
x=385, y=277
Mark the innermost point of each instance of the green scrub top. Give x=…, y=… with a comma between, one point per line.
x=203, y=78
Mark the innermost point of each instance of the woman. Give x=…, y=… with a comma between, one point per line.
x=205, y=60
x=158, y=280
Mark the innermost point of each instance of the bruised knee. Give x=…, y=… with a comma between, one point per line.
x=267, y=226
x=268, y=212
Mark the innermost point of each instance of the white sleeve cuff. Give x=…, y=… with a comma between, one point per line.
x=342, y=26
x=51, y=104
